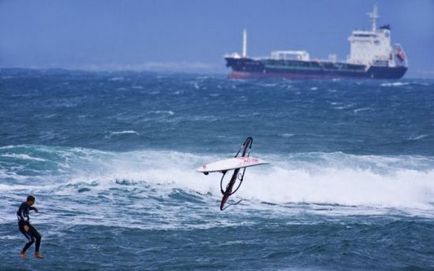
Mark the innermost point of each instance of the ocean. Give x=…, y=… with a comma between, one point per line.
x=111, y=158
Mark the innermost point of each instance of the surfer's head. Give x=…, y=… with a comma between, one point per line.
x=30, y=200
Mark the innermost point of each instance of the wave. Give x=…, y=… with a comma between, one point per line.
x=419, y=83
x=116, y=78
x=286, y=135
x=394, y=84
x=166, y=112
x=22, y=157
x=361, y=109
x=400, y=182
x=126, y=132
x=418, y=137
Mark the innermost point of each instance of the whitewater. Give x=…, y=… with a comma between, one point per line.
x=111, y=159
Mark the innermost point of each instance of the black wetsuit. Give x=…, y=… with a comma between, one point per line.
x=32, y=234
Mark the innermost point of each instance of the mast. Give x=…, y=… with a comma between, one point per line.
x=374, y=16
x=244, y=54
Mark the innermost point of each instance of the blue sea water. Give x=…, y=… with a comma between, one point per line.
x=111, y=159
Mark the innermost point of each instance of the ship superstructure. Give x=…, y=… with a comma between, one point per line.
x=371, y=56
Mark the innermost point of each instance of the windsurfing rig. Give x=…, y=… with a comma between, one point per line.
x=237, y=166
x=237, y=175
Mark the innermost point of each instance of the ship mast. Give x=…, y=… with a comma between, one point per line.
x=244, y=53
x=374, y=16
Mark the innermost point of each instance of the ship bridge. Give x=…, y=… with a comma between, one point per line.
x=373, y=47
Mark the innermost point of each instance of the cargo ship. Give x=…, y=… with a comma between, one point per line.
x=372, y=56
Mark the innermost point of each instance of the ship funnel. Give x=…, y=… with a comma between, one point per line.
x=244, y=53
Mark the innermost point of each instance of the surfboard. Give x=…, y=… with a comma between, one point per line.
x=231, y=164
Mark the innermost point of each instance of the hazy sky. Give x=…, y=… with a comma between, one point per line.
x=195, y=34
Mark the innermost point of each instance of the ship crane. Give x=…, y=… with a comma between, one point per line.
x=244, y=52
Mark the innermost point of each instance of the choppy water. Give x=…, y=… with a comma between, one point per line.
x=111, y=158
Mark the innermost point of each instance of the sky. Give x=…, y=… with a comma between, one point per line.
x=194, y=35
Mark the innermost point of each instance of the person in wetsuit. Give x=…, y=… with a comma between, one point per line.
x=27, y=229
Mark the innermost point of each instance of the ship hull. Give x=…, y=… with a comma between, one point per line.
x=246, y=68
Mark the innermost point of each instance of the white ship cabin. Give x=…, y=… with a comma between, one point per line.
x=290, y=55
x=372, y=47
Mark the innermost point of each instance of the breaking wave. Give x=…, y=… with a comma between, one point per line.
x=168, y=177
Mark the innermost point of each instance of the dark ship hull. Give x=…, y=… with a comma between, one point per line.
x=248, y=68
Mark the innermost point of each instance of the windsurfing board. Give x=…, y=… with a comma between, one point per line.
x=231, y=164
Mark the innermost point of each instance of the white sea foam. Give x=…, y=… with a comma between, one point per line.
x=342, y=107
x=126, y=132
x=401, y=189
x=9, y=237
x=196, y=85
x=22, y=156
x=394, y=84
x=353, y=182
x=327, y=182
x=418, y=137
x=358, y=110
x=268, y=84
x=117, y=78
x=286, y=135
x=168, y=112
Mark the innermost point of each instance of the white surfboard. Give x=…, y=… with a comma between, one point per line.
x=231, y=164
